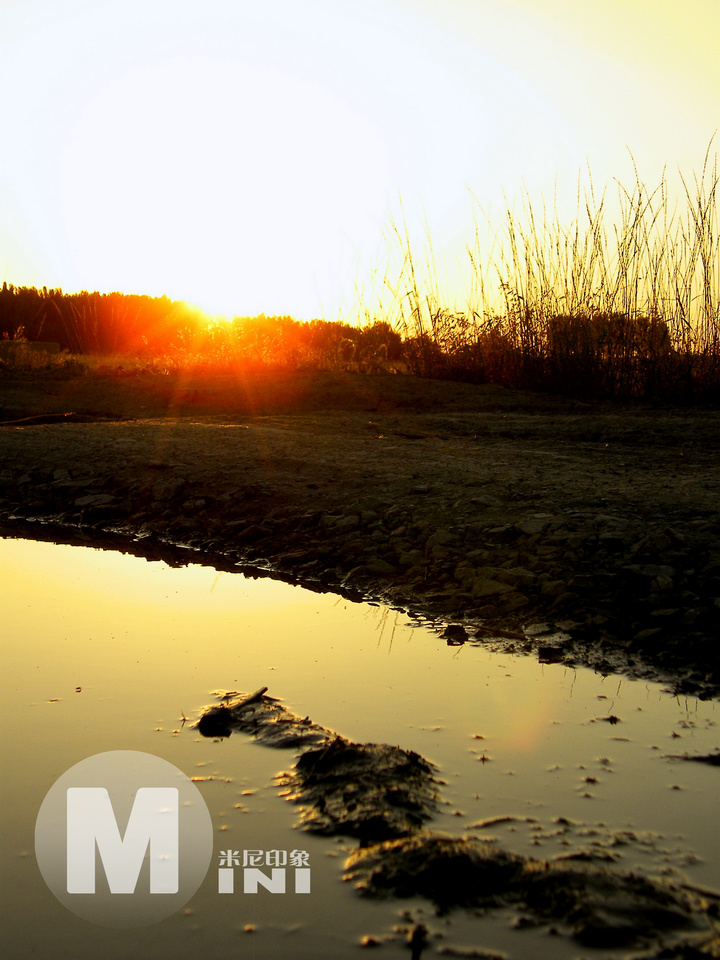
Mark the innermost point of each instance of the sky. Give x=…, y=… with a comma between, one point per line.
x=250, y=157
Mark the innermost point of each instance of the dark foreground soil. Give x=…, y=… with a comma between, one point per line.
x=589, y=534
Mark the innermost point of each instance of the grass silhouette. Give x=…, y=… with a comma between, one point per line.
x=605, y=307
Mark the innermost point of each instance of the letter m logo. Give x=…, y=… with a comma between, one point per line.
x=153, y=822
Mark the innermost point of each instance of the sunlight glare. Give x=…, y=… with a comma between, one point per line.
x=226, y=183
x=250, y=157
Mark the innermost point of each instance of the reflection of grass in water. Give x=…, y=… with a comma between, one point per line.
x=594, y=308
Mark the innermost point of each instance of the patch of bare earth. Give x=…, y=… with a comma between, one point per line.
x=588, y=533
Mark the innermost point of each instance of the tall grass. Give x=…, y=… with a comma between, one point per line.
x=623, y=304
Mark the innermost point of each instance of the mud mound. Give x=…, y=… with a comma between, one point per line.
x=600, y=908
x=383, y=796
x=449, y=871
x=265, y=719
x=371, y=791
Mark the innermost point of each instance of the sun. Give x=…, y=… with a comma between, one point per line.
x=233, y=186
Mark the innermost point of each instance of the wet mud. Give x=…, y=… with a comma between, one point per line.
x=598, y=907
x=713, y=759
x=383, y=796
x=369, y=791
x=264, y=718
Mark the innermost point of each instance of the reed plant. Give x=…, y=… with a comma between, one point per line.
x=616, y=305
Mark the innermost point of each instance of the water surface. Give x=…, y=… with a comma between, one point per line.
x=103, y=651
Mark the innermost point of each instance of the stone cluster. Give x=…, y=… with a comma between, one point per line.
x=630, y=593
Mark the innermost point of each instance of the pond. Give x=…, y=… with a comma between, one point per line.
x=104, y=651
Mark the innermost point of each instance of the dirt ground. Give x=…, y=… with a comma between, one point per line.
x=585, y=533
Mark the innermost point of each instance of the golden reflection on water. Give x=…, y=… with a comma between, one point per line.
x=105, y=651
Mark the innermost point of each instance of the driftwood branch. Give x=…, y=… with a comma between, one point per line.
x=253, y=698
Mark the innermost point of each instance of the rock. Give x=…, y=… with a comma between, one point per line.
x=549, y=587
x=252, y=533
x=94, y=500
x=662, y=583
x=484, y=587
x=514, y=576
x=538, y=523
x=379, y=568
x=329, y=519
x=510, y=602
x=550, y=653
x=538, y=629
x=503, y=533
x=484, y=501
x=464, y=572
x=346, y=524
x=410, y=558
x=611, y=541
x=167, y=489
x=651, y=571
x=352, y=549
x=440, y=537
x=488, y=611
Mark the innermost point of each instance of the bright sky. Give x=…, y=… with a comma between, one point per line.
x=247, y=155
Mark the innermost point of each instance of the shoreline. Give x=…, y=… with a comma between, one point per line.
x=493, y=512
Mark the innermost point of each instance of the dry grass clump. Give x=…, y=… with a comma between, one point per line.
x=603, y=308
x=280, y=343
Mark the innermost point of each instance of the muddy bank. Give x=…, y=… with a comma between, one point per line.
x=586, y=534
